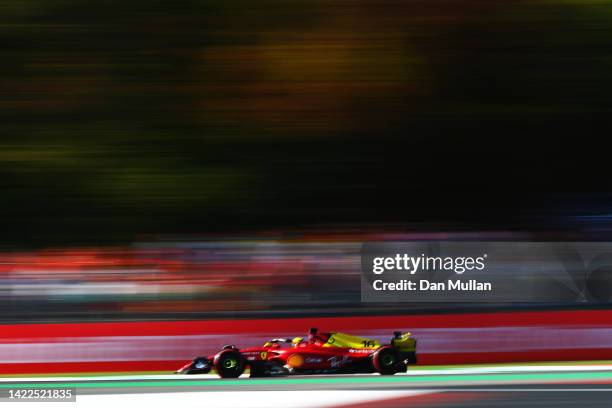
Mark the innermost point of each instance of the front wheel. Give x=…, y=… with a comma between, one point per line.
x=229, y=363
x=386, y=361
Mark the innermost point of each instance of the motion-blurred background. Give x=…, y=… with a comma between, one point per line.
x=123, y=118
x=225, y=158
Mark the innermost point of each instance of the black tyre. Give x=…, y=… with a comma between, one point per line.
x=386, y=361
x=229, y=363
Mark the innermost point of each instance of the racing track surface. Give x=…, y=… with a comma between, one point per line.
x=497, y=386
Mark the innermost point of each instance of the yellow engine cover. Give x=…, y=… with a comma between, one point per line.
x=348, y=341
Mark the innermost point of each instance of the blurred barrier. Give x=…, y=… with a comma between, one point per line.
x=442, y=339
x=192, y=280
x=199, y=277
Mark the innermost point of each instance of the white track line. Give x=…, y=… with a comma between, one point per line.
x=228, y=399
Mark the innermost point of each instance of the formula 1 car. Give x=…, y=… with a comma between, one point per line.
x=320, y=353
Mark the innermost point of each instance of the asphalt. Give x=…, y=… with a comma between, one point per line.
x=554, y=388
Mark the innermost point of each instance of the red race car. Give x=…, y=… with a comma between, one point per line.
x=319, y=353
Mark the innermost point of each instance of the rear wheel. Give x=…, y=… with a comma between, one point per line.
x=229, y=363
x=386, y=361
